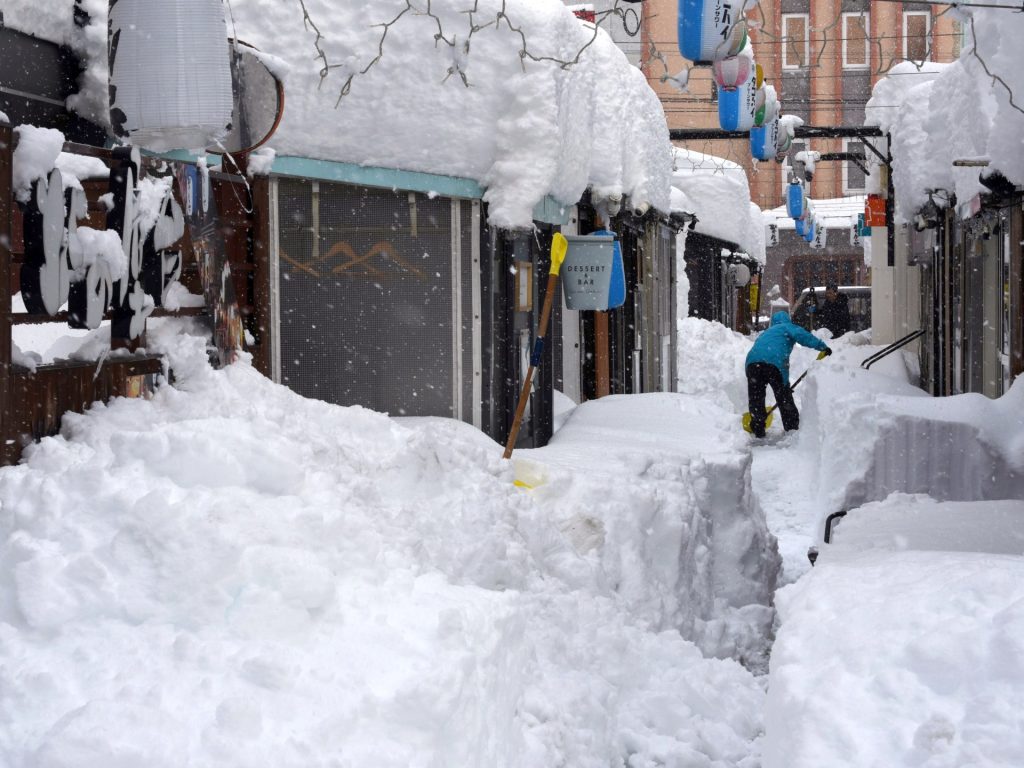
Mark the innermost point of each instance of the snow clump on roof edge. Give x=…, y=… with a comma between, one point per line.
x=953, y=112
x=522, y=128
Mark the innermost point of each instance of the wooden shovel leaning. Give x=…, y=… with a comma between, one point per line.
x=559, y=245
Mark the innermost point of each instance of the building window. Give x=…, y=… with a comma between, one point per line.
x=796, y=40
x=856, y=54
x=854, y=178
x=917, y=38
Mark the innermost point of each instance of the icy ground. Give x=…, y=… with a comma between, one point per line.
x=230, y=575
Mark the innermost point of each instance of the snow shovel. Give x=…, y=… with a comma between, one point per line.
x=768, y=418
x=559, y=245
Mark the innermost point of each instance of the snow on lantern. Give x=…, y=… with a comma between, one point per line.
x=711, y=30
x=170, y=73
x=764, y=137
x=767, y=108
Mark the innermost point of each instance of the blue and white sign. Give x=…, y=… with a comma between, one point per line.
x=593, y=276
x=711, y=30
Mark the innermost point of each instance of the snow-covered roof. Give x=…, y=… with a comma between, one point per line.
x=716, y=190
x=522, y=128
x=941, y=113
x=831, y=213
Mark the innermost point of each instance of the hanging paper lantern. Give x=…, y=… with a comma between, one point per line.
x=812, y=227
x=736, y=107
x=800, y=226
x=796, y=200
x=764, y=139
x=732, y=72
x=170, y=73
x=710, y=30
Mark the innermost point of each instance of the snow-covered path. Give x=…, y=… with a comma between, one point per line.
x=232, y=575
x=784, y=478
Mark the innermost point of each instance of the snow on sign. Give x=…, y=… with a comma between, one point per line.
x=593, y=277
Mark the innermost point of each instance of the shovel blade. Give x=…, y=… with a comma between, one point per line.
x=747, y=417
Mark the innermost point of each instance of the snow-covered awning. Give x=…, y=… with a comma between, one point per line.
x=525, y=127
x=938, y=114
x=716, y=190
x=832, y=213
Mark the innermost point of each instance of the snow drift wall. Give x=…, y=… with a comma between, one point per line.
x=960, y=448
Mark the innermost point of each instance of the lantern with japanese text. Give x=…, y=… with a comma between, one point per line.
x=737, y=107
x=764, y=138
x=711, y=30
x=170, y=73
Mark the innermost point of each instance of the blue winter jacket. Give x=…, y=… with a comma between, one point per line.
x=776, y=343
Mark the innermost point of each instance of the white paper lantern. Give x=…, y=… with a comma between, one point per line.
x=732, y=72
x=170, y=73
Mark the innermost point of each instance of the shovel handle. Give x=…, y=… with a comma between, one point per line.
x=559, y=245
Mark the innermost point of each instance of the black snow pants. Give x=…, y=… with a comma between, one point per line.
x=759, y=377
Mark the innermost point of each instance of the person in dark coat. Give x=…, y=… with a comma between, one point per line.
x=834, y=312
x=768, y=365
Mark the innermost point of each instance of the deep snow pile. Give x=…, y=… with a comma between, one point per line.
x=941, y=113
x=874, y=438
x=229, y=574
x=904, y=645
x=718, y=192
x=523, y=128
x=678, y=530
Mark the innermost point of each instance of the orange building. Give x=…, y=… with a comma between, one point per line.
x=822, y=56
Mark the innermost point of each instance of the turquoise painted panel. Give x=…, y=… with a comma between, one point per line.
x=368, y=176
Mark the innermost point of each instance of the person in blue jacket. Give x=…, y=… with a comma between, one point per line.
x=768, y=365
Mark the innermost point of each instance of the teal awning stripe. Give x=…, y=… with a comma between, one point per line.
x=547, y=211
x=368, y=176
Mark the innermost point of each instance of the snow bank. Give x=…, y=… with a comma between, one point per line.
x=231, y=574
x=710, y=362
x=875, y=437
x=904, y=645
x=717, y=191
x=677, y=530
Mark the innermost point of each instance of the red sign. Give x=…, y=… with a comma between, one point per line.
x=586, y=13
x=874, y=211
